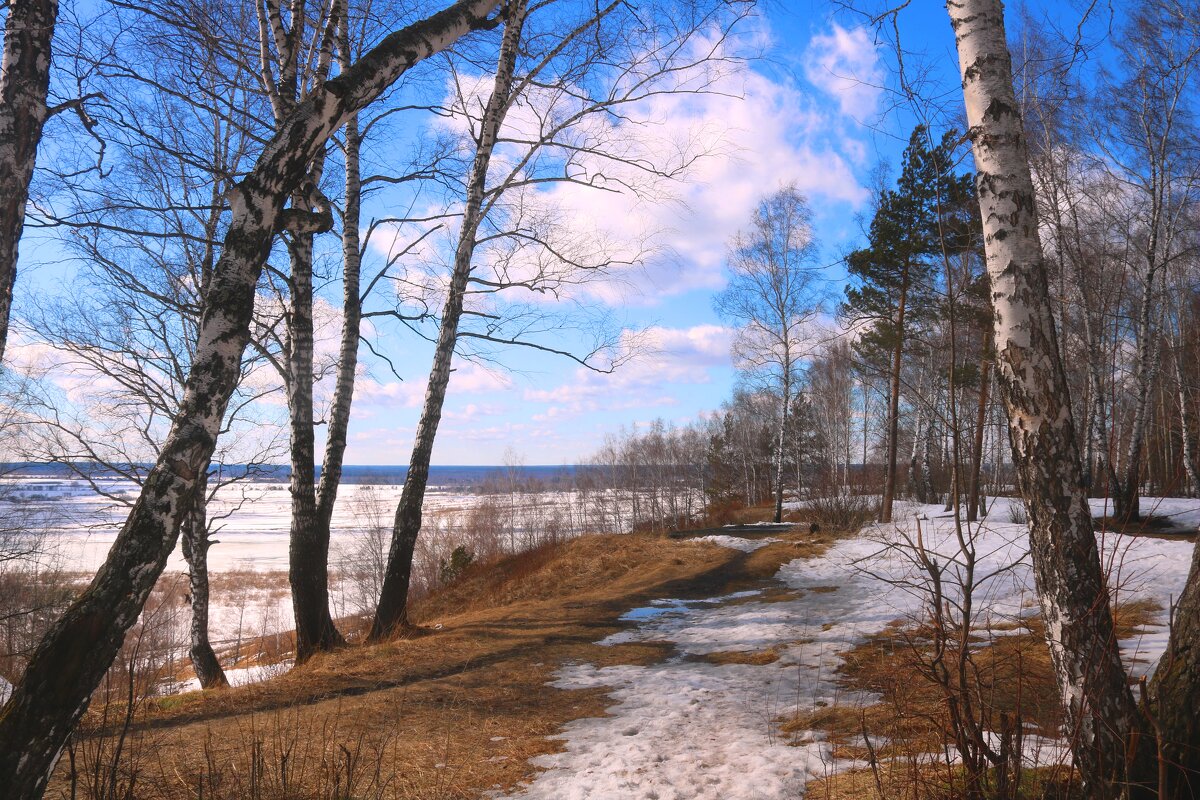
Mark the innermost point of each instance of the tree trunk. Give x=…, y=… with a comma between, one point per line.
x=977, y=453
x=913, y=473
x=1126, y=506
x=782, y=441
x=195, y=551
x=1105, y=723
x=391, y=616
x=925, y=492
x=1185, y=424
x=893, y=420
x=308, y=550
x=24, y=82
x=76, y=652
x=347, y=365
x=1175, y=690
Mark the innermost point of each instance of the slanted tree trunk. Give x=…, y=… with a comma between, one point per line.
x=391, y=615
x=195, y=543
x=1105, y=723
x=24, y=82
x=893, y=420
x=72, y=658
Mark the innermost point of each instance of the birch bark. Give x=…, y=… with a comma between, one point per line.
x=343, y=393
x=1105, y=721
x=69, y=663
x=391, y=615
x=24, y=83
x=195, y=543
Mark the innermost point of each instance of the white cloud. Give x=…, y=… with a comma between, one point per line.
x=664, y=355
x=745, y=136
x=466, y=379
x=845, y=64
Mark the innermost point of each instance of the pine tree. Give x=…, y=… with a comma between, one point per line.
x=894, y=283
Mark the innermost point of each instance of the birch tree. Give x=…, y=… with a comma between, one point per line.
x=573, y=73
x=24, y=85
x=1105, y=721
x=1152, y=147
x=177, y=119
x=772, y=296
x=70, y=661
x=297, y=54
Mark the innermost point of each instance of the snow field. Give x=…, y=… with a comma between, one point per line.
x=687, y=728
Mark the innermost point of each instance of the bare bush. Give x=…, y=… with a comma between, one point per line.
x=840, y=508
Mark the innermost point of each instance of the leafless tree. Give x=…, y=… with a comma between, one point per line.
x=1070, y=584
x=74, y=655
x=774, y=293
x=570, y=72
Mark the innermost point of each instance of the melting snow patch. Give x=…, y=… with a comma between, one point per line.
x=736, y=542
x=688, y=728
x=240, y=676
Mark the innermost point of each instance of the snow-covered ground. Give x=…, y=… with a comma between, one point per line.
x=252, y=520
x=688, y=728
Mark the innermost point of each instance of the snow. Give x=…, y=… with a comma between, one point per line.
x=239, y=676
x=735, y=542
x=688, y=728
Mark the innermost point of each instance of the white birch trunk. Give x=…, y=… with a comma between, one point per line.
x=1104, y=719
x=24, y=83
x=72, y=658
x=391, y=614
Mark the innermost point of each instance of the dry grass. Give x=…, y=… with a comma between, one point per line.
x=906, y=780
x=756, y=658
x=454, y=710
x=1012, y=676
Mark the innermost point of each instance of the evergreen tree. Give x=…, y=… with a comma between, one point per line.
x=894, y=281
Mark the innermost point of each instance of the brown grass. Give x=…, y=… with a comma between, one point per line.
x=459, y=708
x=1013, y=676
x=756, y=658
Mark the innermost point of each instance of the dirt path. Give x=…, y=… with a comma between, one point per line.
x=459, y=711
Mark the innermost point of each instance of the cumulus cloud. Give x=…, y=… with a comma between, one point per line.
x=664, y=356
x=745, y=135
x=466, y=379
x=845, y=64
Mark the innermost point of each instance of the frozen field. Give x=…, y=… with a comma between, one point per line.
x=252, y=526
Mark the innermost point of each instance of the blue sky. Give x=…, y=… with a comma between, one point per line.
x=818, y=108
x=812, y=111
